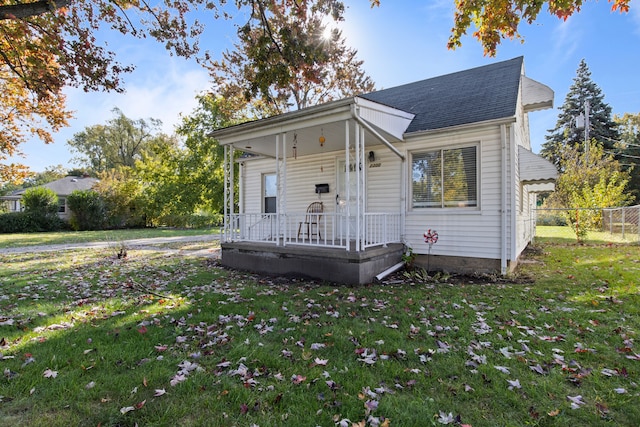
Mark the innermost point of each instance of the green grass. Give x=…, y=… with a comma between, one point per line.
x=275, y=352
x=557, y=234
x=31, y=239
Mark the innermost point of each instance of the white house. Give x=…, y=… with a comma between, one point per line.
x=450, y=154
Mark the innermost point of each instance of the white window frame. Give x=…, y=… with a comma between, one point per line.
x=264, y=191
x=443, y=205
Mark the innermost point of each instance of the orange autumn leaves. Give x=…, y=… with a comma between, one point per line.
x=495, y=20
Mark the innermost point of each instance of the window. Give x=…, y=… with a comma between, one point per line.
x=62, y=208
x=270, y=191
x=445, y=178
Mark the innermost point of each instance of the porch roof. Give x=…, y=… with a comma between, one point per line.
x=304, y=127
x=535, y=171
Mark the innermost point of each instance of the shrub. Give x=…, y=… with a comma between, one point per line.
x=190, y=220
x=41, y=208
x=87, y=210
x=25, y=222
x=14, y=222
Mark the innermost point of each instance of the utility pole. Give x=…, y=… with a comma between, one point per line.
x=583, y=120
x=586, y=131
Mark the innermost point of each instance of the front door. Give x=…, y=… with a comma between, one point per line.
x=346, y=203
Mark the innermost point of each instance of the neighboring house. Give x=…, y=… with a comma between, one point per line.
x=62, y=187
x=450, y=154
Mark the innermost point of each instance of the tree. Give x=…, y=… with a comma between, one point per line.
x=88, y=211
x=288, y=55
x=182, y=180
x=120, y=142
x=203, y=157
x=593, y=180
x=567, y=133
x=50, y=174
x=629, y=149
x=121, y=192
x=47, y=45
x=495, y=20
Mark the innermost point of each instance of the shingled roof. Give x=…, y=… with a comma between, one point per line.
x=66, y=185
x=476, y=95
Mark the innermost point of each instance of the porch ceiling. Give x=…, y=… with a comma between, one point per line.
x=303, y=128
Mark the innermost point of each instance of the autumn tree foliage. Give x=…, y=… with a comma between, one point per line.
x=289, y=55
x=590, y=181
x=46, y=46
x=495, y=20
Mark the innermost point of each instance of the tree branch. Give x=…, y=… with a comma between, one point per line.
x=25, y=10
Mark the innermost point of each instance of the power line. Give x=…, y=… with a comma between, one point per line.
x=621, y=155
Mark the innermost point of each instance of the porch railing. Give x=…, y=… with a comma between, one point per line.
x=327, y=229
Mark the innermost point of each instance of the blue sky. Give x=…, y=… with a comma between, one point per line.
x=400, y=42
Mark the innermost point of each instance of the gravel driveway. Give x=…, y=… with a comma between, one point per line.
x=153, y=243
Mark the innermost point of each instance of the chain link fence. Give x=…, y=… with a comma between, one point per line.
x=623, y=222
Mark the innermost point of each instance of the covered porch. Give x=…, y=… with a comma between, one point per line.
x=340, y=227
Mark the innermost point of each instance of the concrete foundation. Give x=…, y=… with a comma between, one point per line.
x=321, y=263
x=461, y=265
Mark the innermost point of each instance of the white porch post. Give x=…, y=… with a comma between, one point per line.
x=225, y=219
x=347, y=167
x=282, y=196
x=281, y=187
x=228, y=192
x=358, y=170
x=363, y=190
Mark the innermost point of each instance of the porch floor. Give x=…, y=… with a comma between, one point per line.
x=322, y=263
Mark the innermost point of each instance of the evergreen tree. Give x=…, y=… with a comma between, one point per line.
x=567, y=134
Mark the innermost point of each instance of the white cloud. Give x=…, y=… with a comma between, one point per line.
x=165, y=93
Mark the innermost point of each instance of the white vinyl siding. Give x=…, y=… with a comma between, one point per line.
x=474, y=232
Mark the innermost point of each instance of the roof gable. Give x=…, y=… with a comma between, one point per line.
x=476, y=95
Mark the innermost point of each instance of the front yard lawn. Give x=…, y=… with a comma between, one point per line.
x=154, y=339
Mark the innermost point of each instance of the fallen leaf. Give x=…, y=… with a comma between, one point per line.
x=159, y=392
x=297, y=379
x=48, y=373
x=126, y=409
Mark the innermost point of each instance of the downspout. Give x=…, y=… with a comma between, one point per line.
x=513, y=201
x=503, y=202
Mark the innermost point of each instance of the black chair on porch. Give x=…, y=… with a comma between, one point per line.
x=311, y=219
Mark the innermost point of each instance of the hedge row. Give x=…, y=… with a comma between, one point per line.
x=28, y=222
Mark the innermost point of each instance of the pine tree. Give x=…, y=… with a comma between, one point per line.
x=567, y=134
